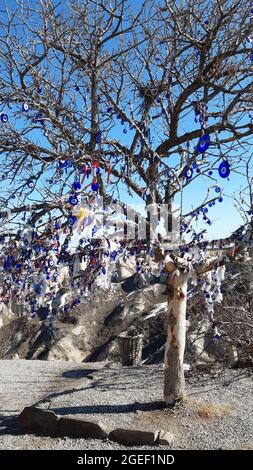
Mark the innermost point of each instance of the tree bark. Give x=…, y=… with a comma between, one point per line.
x=174, y=388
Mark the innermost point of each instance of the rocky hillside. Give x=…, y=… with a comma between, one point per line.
x=134, y=305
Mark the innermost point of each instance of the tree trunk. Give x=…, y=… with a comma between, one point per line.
x=175, y=345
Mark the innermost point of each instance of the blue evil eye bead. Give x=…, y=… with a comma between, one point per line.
x=50, y=262
x=63, y=163
x=98, y=137
x=72, y=220
x=4, y=118
x=94, y=186
x=220, y=199
x=109, y=110
x=188, y=172
x=124, y=131
x=39, y=117
x=224, y=169
x=73, y=200
x=25, y=107
x=37, y=289
x=210, y=173
x=203, y=143
x=40, y=90
x=76, y=185
x=217, y=189
x=103, y=270
x=30, y=184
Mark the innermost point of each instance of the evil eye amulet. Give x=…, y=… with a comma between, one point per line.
x=25, y=107
x=72, y=220
x=188, y=172
x=73, y=200
x=94, y=186
x=224, y=169
x=203, y=143
x=4, y=118
x=76, y=185
x=63, y=163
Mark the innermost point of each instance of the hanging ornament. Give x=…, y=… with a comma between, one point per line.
x=203, y=143
x=76, y=185
x=72, y=220
x=94, y=185
x=188, y=172
x=73, y=200
x=4, y=118
x=39, y=118
x=30, y=184
x=98, y=137
x=224, y=169
x=25, y=107
x=63, y=163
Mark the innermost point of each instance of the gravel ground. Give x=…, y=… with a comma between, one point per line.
x=217, y=414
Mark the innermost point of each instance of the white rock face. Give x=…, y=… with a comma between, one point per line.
x=6, y=314
x=125, y=269
x=65, y=350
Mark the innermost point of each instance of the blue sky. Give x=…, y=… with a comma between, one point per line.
x=224, y=216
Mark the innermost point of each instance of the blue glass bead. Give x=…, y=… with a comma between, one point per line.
x=25, y=107
x=224, y=169
x=4, y=118
x=188, y=172
x=72, y=220
x=203, y=143
x=76, y=185
x=30, y=184
x=94, y=186
x=73, y=200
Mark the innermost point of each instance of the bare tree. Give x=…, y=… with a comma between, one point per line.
x=148, y=98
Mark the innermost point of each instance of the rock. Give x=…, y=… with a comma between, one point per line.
x=125, y=269
x=39, y=421
x=134, y=436
x=79, y=428
x=165, y=438
x=65, y=350
x=35, y=420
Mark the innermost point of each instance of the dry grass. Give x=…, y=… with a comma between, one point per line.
x=213, y=410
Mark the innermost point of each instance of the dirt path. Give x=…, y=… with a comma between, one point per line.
x=218, y=412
